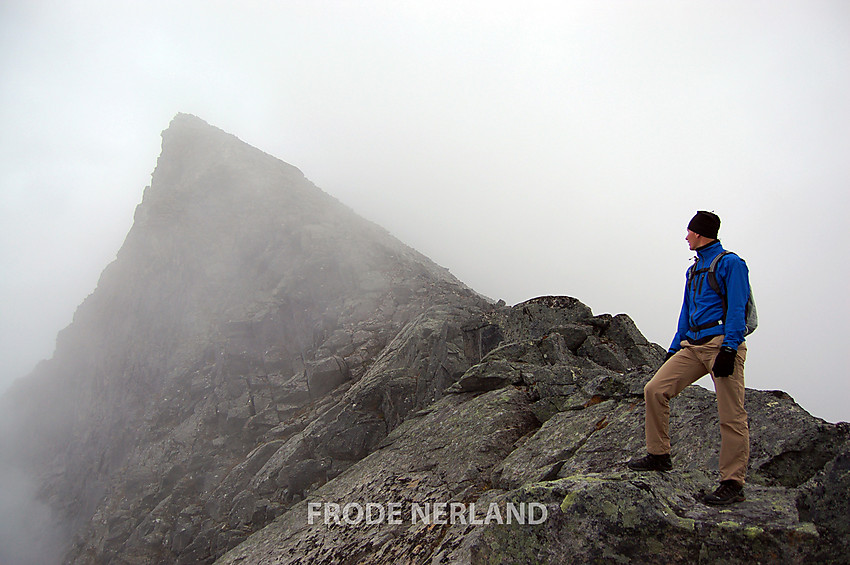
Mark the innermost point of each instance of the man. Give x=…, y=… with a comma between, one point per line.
x=709, y=339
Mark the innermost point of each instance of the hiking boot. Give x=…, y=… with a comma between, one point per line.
x=651, y=463
x=728, y=492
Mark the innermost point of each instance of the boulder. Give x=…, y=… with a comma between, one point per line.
x=325, y=375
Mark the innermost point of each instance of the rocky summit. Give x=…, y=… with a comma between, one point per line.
x=262, y=376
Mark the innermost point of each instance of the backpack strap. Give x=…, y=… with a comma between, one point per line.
x=712, y=278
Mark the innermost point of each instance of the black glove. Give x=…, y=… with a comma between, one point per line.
x=724, y=363
x=668, y=356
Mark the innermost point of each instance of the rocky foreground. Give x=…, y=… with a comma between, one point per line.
x=263, y=377
x=550, y=417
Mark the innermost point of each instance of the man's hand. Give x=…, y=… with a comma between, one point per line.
x=724, y=363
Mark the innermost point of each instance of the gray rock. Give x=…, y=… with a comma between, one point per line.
x=648, y=518
x=480, y=338
x=604, y=353
x=325, y=375
x=535, y=318
x=490, y=375
x=574, y=334
x=300, y=476
x=415, y=464
x=541, y=457
x=823, y=500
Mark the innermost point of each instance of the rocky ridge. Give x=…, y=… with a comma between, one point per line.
x=551, y=419
x=257, y=353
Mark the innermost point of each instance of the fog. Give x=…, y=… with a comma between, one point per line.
x=28, y=533
x=548, y=148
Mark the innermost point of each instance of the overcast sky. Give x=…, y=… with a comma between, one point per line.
x=532, y=148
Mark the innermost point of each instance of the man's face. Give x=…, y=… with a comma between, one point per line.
x=693, y=240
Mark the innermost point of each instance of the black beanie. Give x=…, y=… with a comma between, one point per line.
x=706, y=224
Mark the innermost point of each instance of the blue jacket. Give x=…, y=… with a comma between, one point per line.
x=703, y=306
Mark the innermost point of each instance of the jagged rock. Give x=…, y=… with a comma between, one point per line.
x=480, y=338
x=414, y=369
x=623, y=331
x=535, y=318
x=489, y=375
x=325, y=375
x=415, y=464
x=823, y=500
x=603, y=353
x=300, y=476
x=788, y=445
x=541, y=457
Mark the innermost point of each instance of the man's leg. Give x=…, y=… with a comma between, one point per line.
x=679, y=371
x=734, y=428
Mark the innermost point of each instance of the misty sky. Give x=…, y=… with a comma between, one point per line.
x=532, y=148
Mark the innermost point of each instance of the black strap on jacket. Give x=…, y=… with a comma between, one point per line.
x=715, y=286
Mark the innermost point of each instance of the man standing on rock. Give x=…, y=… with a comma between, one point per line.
x=709, y=339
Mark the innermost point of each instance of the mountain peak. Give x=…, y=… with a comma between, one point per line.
x=198, y=156
x=257, y=346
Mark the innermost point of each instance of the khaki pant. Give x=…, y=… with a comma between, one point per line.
x=688, y=365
